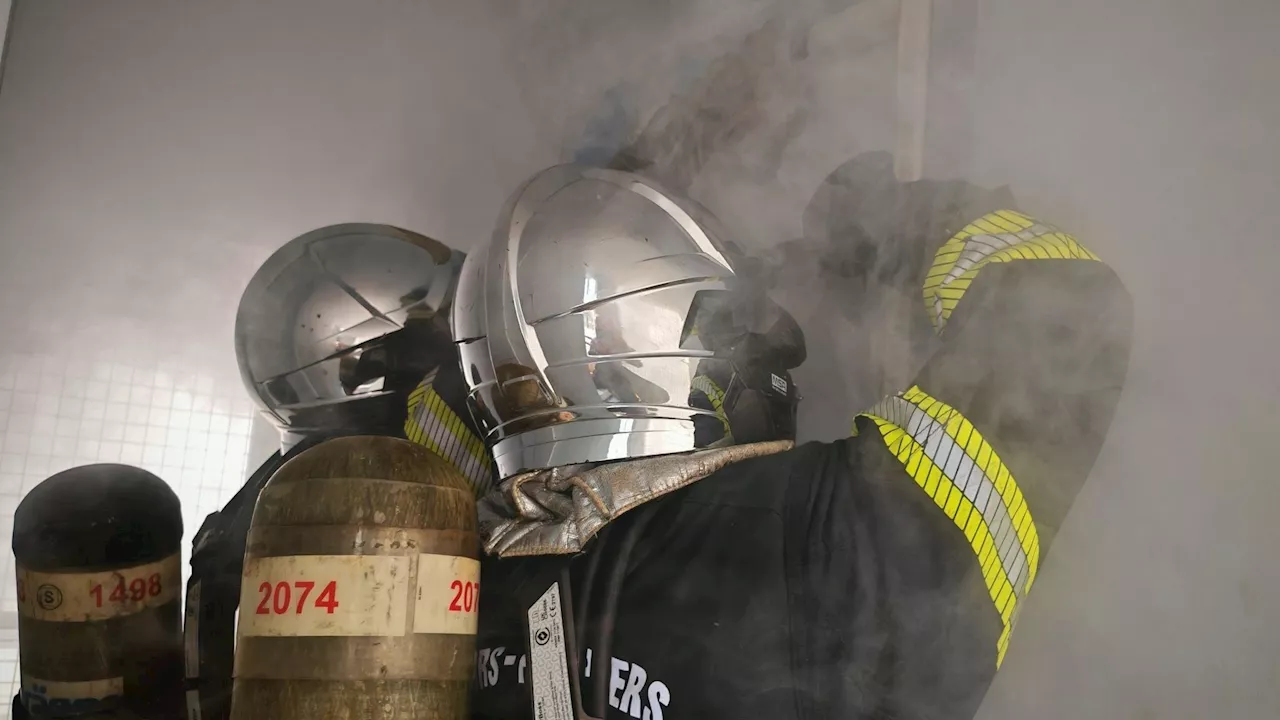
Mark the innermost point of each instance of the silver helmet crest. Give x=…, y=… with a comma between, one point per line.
x=339, y=324
x=578, y=324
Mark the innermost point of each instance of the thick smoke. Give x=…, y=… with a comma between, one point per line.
x=1137, y=126
x=153, y=153
x=746, y=107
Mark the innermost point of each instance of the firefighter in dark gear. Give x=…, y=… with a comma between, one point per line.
x=633, y=573
x=343, y=331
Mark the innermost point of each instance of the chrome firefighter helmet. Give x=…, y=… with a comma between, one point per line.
x=340, y=324
x=602, y=314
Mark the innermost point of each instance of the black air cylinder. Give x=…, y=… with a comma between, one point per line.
x=99, y=573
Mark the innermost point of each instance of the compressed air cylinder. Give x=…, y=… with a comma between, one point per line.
x=99, y=566
x=359, y=597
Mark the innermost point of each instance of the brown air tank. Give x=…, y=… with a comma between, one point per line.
x=360, y=588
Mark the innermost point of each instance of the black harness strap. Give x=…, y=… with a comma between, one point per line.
x=213, y=594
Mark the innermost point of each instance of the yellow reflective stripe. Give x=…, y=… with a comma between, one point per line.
x=417, y=393
x=465, y=448
x=955, y=466
x=998, y=237
x=716, y=396
x=432, y=423
x=412, y=430
x=976, y=447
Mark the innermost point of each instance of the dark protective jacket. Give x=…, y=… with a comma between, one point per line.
x=879, y=576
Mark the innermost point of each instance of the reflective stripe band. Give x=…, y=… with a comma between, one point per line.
x=432, y=423
x=713, y=392
x=949, y=459
x=1002, y=236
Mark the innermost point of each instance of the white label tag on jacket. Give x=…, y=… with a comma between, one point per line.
x=548, y=669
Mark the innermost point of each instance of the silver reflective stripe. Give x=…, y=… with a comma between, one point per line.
x=951, y=459
x=978, y=248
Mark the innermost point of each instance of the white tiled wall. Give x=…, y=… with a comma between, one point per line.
x=57, y=413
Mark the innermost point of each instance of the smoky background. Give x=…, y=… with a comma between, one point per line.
x=153, y=154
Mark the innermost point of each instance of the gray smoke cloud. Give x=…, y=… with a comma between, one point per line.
x=1140, y=128
x=152, y=154
x=746, y=107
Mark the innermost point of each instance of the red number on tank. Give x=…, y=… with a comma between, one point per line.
x=265, y=589
x=280, y=598
x=464, y=596
x=328, y=598
x=305, y=586
x=454, y=606
x=137, y=590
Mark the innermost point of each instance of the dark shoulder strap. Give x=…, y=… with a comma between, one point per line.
x=213, y=594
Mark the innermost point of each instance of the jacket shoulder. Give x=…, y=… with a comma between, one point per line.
x=761, y=482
